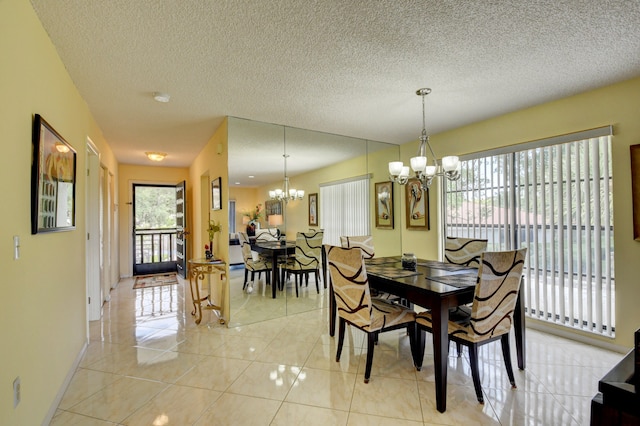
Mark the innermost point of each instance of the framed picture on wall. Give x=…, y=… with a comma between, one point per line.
x=635, y=189
x=313, y=209
x=384, y=205
x=417, y=205
x=53, y=180
x=216, y=194
x=272, y=207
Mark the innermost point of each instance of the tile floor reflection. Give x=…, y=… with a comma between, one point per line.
x=148, y=363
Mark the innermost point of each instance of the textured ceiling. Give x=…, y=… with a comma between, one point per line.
x=348, y=68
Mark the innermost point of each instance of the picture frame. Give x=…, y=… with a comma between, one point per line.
x=417, y=206
x=216, y=194
x=272, y=207
x=313, y=209
x=53, y=180
x=384, y=205
x=635, y=189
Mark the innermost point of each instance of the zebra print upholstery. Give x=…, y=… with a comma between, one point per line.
x=308, y=257
x=365, y=242
x=356, y=307
x=494, y=301
x=251, y=265
x=464, y=251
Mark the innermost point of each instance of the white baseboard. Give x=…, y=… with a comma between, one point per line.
x=578, y=337
x=64, y=386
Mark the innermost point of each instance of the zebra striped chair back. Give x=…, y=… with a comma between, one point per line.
x=307, y=258
x=356, y=307
x=365, y=242
x=252, y=262
x=464, y=251
x=491, y=318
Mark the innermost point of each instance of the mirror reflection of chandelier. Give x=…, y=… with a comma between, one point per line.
x=287, y=194
x=425, y=173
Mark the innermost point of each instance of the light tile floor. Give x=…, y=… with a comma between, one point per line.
x=148, y=363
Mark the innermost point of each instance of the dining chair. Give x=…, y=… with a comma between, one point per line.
x=307, y=258
x=491, y=317
x=357, y=308
x=365, y=242
x=252, y=262
x=267, y=234
x=464, y=251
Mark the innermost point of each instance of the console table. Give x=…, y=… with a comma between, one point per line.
x=198, y=270
x=618, y=402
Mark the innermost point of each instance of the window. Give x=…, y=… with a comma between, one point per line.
x=344, y=209
x=232, y=216
x=554, y=197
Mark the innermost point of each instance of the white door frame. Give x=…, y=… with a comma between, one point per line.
x=92, y=221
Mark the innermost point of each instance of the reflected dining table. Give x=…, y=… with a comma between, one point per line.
x=275, y=249
x=437, y=286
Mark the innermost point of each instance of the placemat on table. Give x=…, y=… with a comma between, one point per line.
x=442, y=265
x=459, y=280
x=390, y=271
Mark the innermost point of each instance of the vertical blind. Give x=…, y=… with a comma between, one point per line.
x=344, y=209
x=554, y=197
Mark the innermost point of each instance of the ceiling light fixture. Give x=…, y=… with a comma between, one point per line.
x=423, y=172
x=156, y=156
x=161, y=97
x=287, y=194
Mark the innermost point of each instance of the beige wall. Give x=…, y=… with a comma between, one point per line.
x=617, y=105
x=128, y=175
x=210, y=164
x=246, y=200
x=43, y=304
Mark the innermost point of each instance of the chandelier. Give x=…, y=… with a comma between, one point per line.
x=287, y=194
x=450, y=167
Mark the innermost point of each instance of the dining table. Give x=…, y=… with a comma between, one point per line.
x=273, y=250
x=436, y=286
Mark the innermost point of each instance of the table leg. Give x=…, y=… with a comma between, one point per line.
x=324, y=267
x=440, y=318
x=519, y=329
x=195, y=296
x=275, y=279
x=332, y=312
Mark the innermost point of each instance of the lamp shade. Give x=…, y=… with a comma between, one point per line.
x=395, y=167
x=418, y=163
x=449, y=164
x=275, y=219
x=245, y=220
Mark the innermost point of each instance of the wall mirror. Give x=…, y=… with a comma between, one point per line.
x=257, y=165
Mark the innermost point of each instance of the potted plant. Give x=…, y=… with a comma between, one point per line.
x=253, y=219
x=212, y=229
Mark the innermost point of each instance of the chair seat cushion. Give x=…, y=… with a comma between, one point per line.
x=256, y=266
x=294, y=265
x=385, y=314
x=459, y=325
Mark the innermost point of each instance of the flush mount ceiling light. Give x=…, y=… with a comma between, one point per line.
x=156, y=156
x=425, y=173
x=161, y=97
